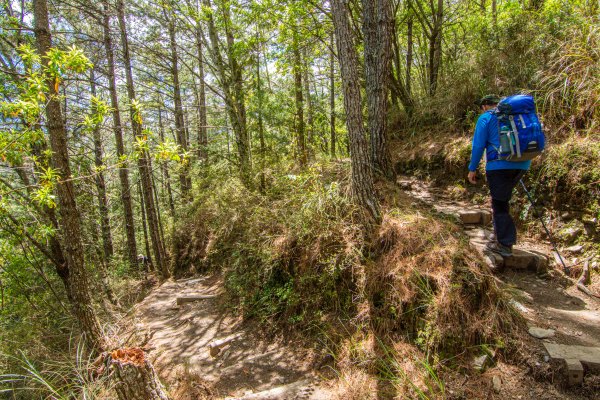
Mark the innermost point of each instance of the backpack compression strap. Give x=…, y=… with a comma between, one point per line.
x=516, y=136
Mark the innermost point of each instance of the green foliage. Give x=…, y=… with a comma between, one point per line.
x=287, y=255
x=571, y=172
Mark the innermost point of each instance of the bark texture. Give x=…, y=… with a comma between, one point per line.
x=135, y=377
x=201, y=93
x=120, y=148
x=332, y=138
x=69, y=222
x=230, y=75
x=299, y=98
x=184, y=174
x=377, y=26
x=107, y=244
x=144, y=160
x=363, y=190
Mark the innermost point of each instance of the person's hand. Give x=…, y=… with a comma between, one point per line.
x=472, y=177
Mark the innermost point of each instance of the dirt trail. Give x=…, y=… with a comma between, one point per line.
x=549, y=302
x=254, y=367
x=249, y=367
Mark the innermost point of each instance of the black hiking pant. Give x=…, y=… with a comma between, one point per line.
x=501, y=183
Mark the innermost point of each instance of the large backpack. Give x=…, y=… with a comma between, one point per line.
x=519, y=128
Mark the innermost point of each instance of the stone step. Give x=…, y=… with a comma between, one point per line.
x=520, y=259
x=575, y=357
x=468, y=217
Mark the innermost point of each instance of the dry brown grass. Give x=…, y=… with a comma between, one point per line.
x=355, y=384
x=427, y=281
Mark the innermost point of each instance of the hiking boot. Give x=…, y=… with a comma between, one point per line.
x=499, y=248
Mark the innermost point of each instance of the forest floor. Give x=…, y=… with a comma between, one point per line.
x=251, y=365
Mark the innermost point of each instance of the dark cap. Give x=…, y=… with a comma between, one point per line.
x=490, y=99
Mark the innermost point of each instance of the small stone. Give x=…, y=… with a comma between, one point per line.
x=568, y=215
x=405, y=185
x=574, y=249
x=546, y=358
x=480, y=363
x=571, y=233
x=497, y=383
x=590, y=220
x=541, y=333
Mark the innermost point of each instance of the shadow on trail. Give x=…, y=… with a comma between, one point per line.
x=181, y=335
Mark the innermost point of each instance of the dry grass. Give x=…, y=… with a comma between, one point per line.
x=296, y=258
x=571, y=82
x=355, y=384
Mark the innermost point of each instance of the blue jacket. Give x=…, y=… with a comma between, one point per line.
x=486, y=138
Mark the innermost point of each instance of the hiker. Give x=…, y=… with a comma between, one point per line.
x=502, y=176
x=144, y=262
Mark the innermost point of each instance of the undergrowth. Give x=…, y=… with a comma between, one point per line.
x=295, y=257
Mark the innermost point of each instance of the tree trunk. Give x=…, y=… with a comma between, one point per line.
x=299, y=118
x=184, y=174
x=144, y=225
x=54, y=248
x=135, y=376
x=399, y=89
x=261, y=130
x=332, y=138
x=363, y=190
x=231, y=79
x=120, y=148
x=144, y=161
x=377, y=48
x=69, y=223
x=164, y=167
x=435, y=47
x=409, y=54
x=310, y=139
x=202, y=120
x=107, y=244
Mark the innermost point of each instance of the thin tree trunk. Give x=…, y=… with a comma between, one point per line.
x=231, y=79
x=377, y=49
x=144, y=161
x=107, y=244
x=309, y=108
x=54, y=248
x=261, y=133
x=120, y=148
x=435, y=47
x=144, y=225
x=184, y=174
x=202, y=120
x=409, y=54
x=70, y=224
x=157, y=202
x=398, y=88
x=299, y=119
x=332, y=138
x=164, y=167
x=363, y=189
